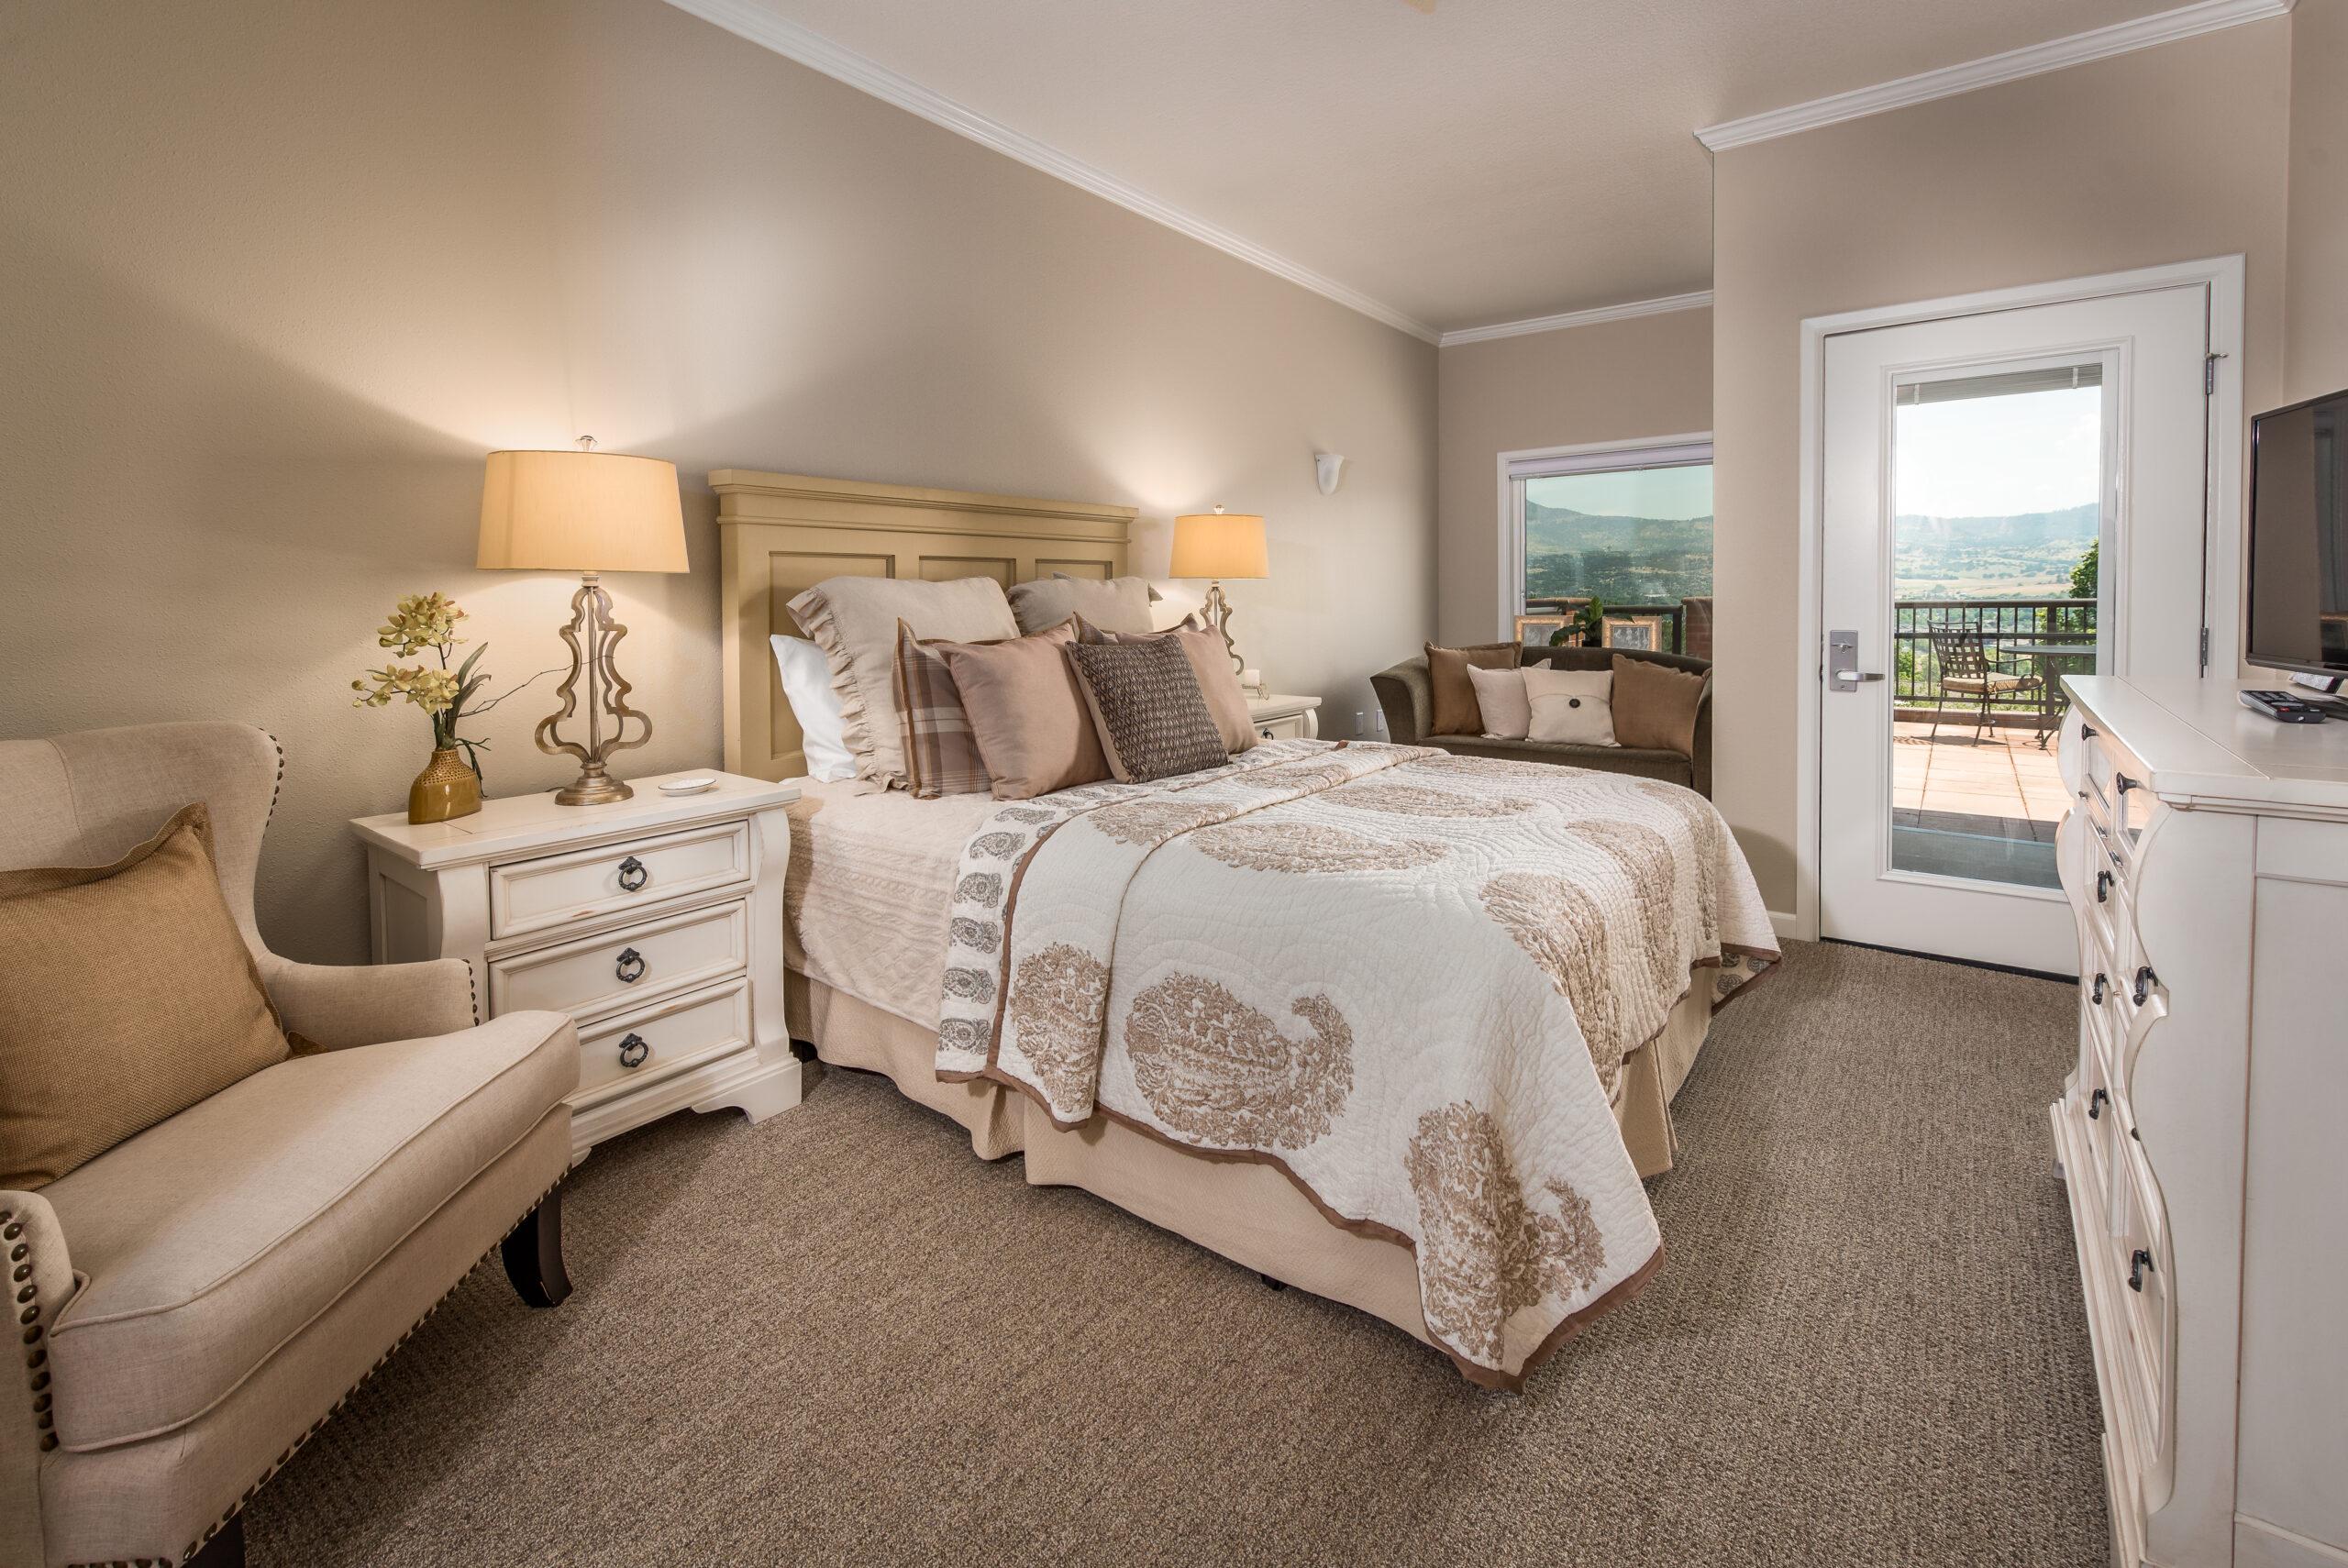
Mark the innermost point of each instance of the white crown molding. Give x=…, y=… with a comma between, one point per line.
x=1700, y=301
x=748, y=19
x=2058, y=54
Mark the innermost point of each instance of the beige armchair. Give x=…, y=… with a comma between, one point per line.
x=196, y=1302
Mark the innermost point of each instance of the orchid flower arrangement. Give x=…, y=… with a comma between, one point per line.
x=426, y=623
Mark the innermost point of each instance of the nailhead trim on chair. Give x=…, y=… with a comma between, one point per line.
x=20, y=1274
x=295, y=1446
x=472, y=989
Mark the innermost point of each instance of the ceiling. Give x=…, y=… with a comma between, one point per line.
x=1487, y=161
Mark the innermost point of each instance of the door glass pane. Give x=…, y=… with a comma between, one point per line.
x=1637, y=540
x=1998, y=480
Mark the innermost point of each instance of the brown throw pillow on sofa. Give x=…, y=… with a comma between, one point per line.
x=1145, y=703
x=127, y=996
x=1455, y=713
x=1654, y=705
x=1032, y=726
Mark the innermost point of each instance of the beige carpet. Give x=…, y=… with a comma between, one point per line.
x=839, y=1337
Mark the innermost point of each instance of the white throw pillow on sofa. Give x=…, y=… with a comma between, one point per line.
x=1500, y=698
x=807, y=683
x=1572, y=707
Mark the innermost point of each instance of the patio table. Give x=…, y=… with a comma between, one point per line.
x=2050, y=691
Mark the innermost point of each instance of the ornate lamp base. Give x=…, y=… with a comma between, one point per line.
x=1218, y=613
x=592, y=635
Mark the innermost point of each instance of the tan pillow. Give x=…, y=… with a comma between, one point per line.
x=127, y=996
x=1654, y=705
x=1455, y=713
x=1500, y=697
x=1211, y=662
x=1120, y=604
x=853, y=621
x=1147, y=708
x=1032, y=726
x=1573, y=707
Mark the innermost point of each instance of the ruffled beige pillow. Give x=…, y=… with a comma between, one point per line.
x=853, y=621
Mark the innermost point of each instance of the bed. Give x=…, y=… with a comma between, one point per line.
x=959, y=945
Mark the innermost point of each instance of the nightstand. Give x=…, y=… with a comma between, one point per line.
x=655, y=922
x=1285, y=718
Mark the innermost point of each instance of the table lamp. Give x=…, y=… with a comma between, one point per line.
x=590, y=513
x=1216, y=544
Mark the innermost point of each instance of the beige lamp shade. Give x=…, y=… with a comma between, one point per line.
x=1219, y=544
x=581, y=512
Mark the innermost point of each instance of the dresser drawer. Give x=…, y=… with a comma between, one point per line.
x=556, y=889
x=656, y=958
x=2141, y=1258
x=650, y=1043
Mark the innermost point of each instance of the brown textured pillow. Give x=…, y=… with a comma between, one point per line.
x=1211, y=662
x=1654, y=705
x=1029, y=718
x=1145, y=703
x=1455, y=713
x=941, y=753
x=127, y=996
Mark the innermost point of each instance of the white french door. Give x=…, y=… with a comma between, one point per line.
x=2007, y=497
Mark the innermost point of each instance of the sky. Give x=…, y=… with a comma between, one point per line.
x=1677, y=493
x=1998, y=456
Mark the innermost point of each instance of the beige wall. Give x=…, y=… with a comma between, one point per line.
x=2316, y=308
x=2171, y=154
x=277, y=276
x=1615, y=381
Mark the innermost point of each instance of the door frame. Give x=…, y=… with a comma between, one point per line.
x=2222, y=506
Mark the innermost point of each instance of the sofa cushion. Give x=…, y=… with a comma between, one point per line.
x=1655, y=706
x=1455, y=713
x=1639, y=761
x=212, y=1239
x=128, y=995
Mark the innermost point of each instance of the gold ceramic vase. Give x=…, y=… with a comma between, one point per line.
x=448, y=788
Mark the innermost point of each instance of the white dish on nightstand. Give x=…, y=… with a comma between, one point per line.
x=699, y=784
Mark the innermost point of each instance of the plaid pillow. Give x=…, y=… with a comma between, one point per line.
x=941, y=754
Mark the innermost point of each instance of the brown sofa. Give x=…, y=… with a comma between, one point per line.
x=1408, y=698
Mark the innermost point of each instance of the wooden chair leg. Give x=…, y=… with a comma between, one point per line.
x=532, y=1254
x=225, y=1550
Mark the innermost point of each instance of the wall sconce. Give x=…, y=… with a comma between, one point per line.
x=1328, y=468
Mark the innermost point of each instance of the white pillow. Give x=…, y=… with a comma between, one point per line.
x=1500, y=698
x=1574, y=707
x=807, y=682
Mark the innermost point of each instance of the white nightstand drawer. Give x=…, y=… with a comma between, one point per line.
x=640, y=1047
x=1290, y=728
x=656, y=958
x=556, y=889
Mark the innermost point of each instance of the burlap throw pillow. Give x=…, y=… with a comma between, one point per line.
x=1210, y=661
x=1453, y=694
x=1654, y=705
x=127, y=996
x=1145, y=697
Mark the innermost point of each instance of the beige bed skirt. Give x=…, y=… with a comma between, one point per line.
x=1245, y=1209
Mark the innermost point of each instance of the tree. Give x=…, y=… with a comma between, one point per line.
x=2083, y=574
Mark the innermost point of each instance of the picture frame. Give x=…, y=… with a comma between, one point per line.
x=1533, y=631
x=1643, y=633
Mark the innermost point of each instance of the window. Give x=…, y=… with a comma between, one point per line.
x=1627, y=527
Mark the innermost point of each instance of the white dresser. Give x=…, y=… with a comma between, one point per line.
x=2204, y=1135
x=657, y=922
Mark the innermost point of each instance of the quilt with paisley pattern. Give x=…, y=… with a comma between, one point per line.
x=1408, y=978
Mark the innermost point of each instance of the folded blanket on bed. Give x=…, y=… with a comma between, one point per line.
x=1406, y=978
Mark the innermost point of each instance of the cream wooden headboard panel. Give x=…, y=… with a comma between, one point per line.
x=782, y=533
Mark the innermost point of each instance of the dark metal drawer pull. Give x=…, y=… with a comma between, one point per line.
x=2137, y=1265
x=2095, y=1104
x=2086, y=732
x=2096, y=996
x=2102, y=887
x=634, y=1049
x=630, y=968
x=633, y=875
x=2144, y=979
x=2124, y=783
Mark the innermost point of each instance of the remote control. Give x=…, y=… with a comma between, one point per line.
x=2282, y=706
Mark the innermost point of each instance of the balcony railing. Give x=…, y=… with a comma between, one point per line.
x=2004, y=623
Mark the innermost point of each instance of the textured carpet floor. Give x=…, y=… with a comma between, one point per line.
x=840, y=1338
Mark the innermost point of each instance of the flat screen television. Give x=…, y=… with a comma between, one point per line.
x=2298, y=537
